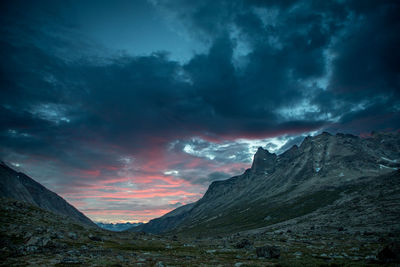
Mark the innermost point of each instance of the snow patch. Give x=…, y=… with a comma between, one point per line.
x=386, y=167
x=390, y=160
x=244, y=210
x=267, y=218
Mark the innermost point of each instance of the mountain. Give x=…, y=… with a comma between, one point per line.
x=168, y=221
x=117, y=227
x=322, y=171
x=339, y=204
x=19, y=186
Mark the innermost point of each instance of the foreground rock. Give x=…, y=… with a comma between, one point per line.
x=35, y=237
x=244, y=243
x=268, y=252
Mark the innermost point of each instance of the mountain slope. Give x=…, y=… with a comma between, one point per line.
x=21, y=187
x=281, y=187
x=166, y=222
x=367, y=205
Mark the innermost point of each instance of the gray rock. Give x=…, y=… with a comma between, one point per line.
x=38, y=241
x=55, y=235
x=268, y=252
x=95, y=238
x=68, y=260
x=298, y=254
x=31, y=249
x=33, y=241
x=40, y=230
x=244, y=243
x=73, y=235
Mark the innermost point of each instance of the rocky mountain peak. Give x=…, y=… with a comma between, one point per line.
x=290, y=153
x=317, y=140
x=325, y=134
x=263, y=161
x=298, y=182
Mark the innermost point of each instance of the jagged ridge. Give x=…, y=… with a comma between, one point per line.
x=281, y=187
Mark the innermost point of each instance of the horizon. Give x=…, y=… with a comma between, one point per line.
x=313, y=134
x=131, y=109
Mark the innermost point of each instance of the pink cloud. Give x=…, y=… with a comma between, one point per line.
x=129, y=193
x=143, y=180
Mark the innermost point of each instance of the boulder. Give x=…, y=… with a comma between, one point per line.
x=244, y=243
x=95, y=238
x=72, y=235
x=69, y=260
x=268, y=252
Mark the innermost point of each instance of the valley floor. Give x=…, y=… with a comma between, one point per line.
x=30, y=236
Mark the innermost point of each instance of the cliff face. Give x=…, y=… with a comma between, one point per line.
x=281, y=187
x=263, y=162
x=21, y=187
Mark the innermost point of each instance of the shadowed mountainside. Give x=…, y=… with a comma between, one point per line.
x=19, y=186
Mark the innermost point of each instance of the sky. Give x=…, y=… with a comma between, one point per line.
x=131, y=108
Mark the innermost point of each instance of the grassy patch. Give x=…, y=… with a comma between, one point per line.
x=252, y=215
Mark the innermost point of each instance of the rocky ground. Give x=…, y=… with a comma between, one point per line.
x=30, y=236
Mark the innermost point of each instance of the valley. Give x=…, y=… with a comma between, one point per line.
x=332, y=201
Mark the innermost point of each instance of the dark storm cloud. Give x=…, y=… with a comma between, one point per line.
x=128, y=98
x=351, y=45
x=288, y=45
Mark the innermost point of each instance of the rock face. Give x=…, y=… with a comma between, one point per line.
x=264, y=162
x=281, y=187
x=21, y=187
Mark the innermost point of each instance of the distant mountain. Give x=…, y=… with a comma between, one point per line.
x=117, y=227
x=19, y=186
x=322, y=171
x=169, y=221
